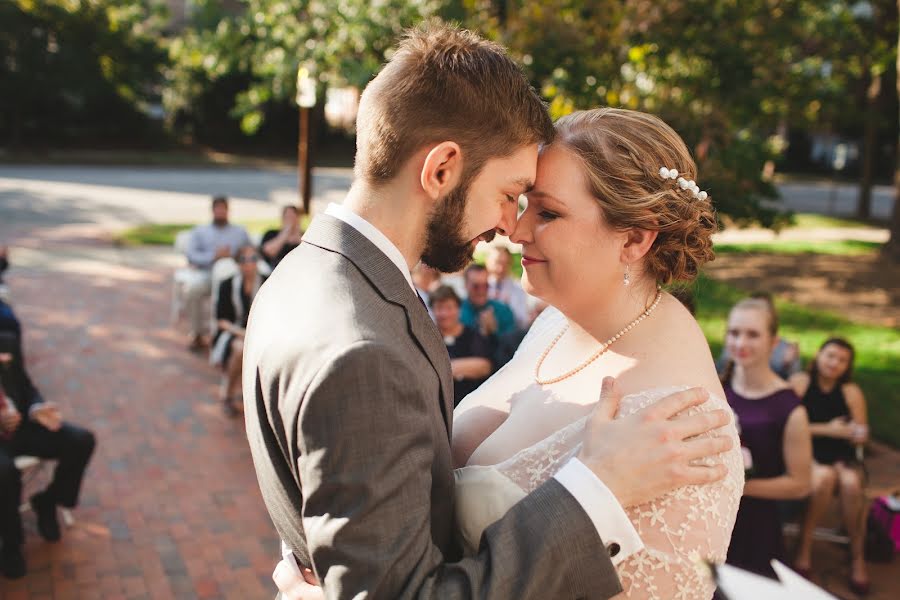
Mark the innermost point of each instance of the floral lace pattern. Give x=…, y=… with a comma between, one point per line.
x=679, y=530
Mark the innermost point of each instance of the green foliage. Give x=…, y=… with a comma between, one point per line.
x=77, y=70
x=341, y=43
x=837, y=247
x=726, y=75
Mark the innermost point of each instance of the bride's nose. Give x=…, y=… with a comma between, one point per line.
x=521, y=233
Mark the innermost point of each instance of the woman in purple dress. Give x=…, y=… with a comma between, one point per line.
x=774, y=430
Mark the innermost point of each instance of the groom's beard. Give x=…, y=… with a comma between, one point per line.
x=446, y=248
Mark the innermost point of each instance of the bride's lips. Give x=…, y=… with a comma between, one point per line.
x=528, y=260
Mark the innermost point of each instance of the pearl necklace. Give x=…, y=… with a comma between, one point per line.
x=603, y=348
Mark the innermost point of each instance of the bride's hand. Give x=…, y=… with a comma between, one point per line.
x=649, y=453
x=293, y=586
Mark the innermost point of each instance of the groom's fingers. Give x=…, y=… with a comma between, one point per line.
x=610, y=396
x=292, y=585
x=703, y=475
x=693, y=425
x=309, y=576
x=706, y=447
x=675, y=403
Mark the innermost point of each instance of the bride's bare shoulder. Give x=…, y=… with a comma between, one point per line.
x=674, y=352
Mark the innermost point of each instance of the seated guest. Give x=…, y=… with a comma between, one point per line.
x=469, y=353
x=838, y=423
x=276, y=243
x=9, y=323
x=774, y=434
x=491, y=317
x=426, y=279
x=785, y=357
x=504, y=288
x=508, y=344
x=232, y=310
x=29, y=425
x=4, y=264
x=209, y=243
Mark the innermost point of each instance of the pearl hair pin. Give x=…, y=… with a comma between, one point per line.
x=685, y=184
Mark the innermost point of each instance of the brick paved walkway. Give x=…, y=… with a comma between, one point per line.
x=170, y=507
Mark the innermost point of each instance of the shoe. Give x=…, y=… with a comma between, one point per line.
x=860, y=588
x=805, y=572
x=45, y=509
x=230, y=409
x=198, y=344
x=12, y=562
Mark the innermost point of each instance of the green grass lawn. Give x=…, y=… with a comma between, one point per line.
x=813, y=221
x=836, y=247
x=163, y=234
x=877, y=348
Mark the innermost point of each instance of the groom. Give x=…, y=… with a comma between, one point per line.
x=348, y=389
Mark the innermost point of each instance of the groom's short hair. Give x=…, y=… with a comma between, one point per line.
x=446, y=84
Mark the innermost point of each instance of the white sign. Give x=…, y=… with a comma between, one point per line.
x=306, y=89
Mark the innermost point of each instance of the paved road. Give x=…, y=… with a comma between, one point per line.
x=837, y=200
x=33, y=197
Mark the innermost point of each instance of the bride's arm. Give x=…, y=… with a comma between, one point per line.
x=476, y=418
x=484, y=410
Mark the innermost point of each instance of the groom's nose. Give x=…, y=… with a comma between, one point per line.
x=507, y=222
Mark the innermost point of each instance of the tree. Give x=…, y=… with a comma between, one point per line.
x=78, y=70
x=341, y=44
x=892, y=248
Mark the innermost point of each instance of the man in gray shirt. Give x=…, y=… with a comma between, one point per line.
x=209, y=243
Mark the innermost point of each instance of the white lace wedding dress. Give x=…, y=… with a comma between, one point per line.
x=679, y=529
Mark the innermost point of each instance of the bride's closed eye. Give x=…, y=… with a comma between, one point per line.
x=546, y=215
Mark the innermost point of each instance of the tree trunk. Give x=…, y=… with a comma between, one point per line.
x=870, y=144
x=892, y=248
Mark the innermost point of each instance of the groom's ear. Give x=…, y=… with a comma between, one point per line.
x=442, y=169
x=637, y=244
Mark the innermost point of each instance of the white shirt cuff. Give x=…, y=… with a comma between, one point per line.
x=33, y=408
x=612, y=524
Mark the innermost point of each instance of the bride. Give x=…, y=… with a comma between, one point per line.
x=613, y=215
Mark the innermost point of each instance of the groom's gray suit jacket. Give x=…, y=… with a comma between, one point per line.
x=349, y=404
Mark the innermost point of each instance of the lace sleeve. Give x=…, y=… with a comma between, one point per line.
x=679, y=529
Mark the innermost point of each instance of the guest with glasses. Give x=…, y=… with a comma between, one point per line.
x=232, y=310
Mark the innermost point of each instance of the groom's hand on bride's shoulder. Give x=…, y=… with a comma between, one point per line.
x=294, y=585
x=652, y=451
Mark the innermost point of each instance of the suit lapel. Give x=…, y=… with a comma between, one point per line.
x=332, y=234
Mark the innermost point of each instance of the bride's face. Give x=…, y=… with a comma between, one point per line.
x=570, y=254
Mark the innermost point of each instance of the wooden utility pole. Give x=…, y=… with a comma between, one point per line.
x=304, y=168
x=306, y=99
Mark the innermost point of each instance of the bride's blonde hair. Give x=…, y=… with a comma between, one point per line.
x=621, y=152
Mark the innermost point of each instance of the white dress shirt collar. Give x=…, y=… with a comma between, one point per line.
x=372, y=234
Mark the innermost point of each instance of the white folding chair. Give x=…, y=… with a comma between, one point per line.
x=31, y=467
x=181, y=277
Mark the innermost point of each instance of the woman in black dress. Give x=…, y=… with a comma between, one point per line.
x=838, y=423
x=232, y=310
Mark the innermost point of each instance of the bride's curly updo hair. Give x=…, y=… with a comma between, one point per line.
x=622, y=152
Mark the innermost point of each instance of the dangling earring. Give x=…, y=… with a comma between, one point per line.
x=627, y=279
